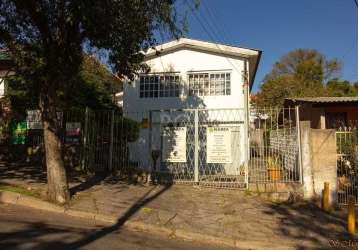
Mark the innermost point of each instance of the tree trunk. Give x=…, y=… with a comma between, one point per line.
x=58, y=191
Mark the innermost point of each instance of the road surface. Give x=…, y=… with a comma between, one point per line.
x=25, y=228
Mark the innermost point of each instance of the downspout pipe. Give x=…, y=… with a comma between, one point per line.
x=247, y=119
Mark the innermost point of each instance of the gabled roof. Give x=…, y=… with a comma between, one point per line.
x=252, y=55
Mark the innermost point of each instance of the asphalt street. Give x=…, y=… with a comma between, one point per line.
x=25, y=228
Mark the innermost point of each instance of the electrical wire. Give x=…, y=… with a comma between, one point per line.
x=212, y=37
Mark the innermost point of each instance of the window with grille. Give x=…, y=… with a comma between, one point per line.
x=159, y=85
x=209, y=84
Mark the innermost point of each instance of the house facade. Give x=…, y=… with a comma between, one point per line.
x=189, y=74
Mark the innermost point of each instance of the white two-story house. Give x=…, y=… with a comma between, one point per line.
x=190, y=74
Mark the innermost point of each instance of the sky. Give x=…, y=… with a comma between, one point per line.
x=279, y=26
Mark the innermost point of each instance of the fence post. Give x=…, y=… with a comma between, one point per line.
x=298, y=127
x=247, y=146
x=84, y=150
x=196, y=146
x=151, y=164
x=110, y=166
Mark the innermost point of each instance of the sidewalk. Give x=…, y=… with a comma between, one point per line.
x=242, y=217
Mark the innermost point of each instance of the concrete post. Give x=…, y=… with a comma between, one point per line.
x=307, y=175
x=324, y=161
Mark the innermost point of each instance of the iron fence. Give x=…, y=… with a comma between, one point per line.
x=92, y=140
x=347, y=163
x=225, y=148
x=274, y=145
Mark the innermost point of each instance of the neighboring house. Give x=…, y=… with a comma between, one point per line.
x=327, y=112
x=191, y=74
x=5, y=65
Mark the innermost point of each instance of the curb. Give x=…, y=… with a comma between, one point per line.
x=28, y=201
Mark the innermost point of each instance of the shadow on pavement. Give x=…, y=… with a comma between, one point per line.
x=30, y=235
x=306, y=223
x=145, y=199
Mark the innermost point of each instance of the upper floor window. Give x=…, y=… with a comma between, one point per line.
x=159, y=85
x=209, y=84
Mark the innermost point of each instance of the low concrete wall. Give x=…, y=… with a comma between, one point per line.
x=319, y=163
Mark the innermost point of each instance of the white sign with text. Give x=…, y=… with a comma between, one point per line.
x=174, y=144
x=218, y=145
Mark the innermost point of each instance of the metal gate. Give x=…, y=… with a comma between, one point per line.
x=347, y=164
x=201, y=146
x=274, y=145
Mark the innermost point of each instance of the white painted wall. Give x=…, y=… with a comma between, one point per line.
x=183, y=61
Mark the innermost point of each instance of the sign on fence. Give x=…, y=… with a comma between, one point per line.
x=218, y=145
x=73, y=132
x=174, y=144
x=33, y=119
x=19, y=133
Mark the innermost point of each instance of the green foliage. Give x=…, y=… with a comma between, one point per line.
x=128, y=128
x=273, y=162
x=347, y=146
x=306, y=64
x=300, y=73
x=336, y=87
x=93, y=88
x=21, y=190
x=46, y=40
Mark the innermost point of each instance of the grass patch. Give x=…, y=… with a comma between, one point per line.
x=20, y=190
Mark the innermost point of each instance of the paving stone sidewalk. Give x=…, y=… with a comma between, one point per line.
x=230, y=214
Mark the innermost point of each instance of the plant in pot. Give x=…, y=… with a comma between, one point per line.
x=274, y=169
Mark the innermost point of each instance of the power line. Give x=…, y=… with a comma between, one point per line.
x=351, y=48
x=211, y=36
x=355, y=40
x=222, y=27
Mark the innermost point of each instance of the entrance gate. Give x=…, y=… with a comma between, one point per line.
x=201, y=146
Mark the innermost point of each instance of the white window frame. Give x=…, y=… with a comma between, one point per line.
x=159, y=85
x=207, y=85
